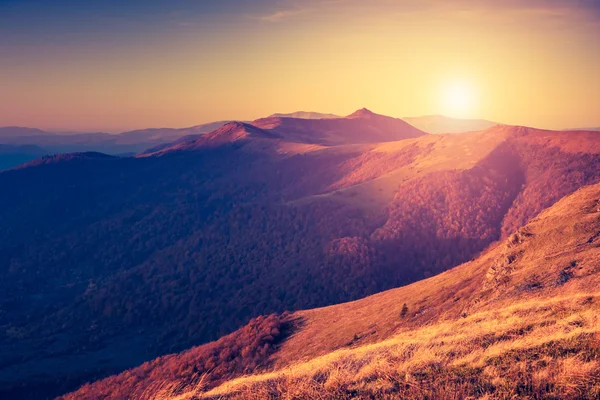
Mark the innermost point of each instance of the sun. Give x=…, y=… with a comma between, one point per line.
x=458, y=99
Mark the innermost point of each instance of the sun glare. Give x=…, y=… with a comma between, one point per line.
x=458, y=99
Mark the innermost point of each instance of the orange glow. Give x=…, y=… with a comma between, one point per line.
x=523, y=67
x=458, y=99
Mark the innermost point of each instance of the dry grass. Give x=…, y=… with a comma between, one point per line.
x=537, y=349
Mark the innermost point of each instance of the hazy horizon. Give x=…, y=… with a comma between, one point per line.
x=116, y=131
x=106, y=66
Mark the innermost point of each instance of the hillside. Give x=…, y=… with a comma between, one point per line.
x=9, y=132
x=584, y=129
x=108, y=262
x=304, y=115
x=520, y=320
x=12, y=155
x=115, y=144
x=363, y=126
x=227, y=134
x=436, y=124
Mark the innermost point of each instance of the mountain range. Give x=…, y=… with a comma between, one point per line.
x=126, y=143
x=25, y=144
x=108, y=262
x=434, y=124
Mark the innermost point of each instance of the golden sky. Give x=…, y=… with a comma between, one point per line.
x=100, y=66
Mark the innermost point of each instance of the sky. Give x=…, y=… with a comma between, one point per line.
x=108, y=65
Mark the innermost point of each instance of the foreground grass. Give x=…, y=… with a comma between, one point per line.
x=540, y=349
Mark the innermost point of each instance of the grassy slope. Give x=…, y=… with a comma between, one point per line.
x=521, y=320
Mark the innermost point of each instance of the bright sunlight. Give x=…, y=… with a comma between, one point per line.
x=459, y=99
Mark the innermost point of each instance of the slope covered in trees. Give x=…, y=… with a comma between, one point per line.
x=108, y=262
x=520, y=321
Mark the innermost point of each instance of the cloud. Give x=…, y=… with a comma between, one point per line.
x=277, y=16
x=293, y=8
x=551, y=10
x=428, y=5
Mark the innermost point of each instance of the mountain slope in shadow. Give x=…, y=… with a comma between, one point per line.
x=519, y=320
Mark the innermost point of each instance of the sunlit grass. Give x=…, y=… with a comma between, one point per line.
x=489, y=353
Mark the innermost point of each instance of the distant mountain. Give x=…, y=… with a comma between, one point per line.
x=126, y=142
x=10, y=132
x=232, y=133
x=12, y=155
x=60, y=158
x=362, y=126
x=584, y=129
x=436, y=124
x=492, y=327
x=163, y=146
x=108, y=262
x=359, y=128
x=161, y=134
x=305, y=115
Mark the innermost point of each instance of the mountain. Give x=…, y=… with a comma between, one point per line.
x=305, y=115
x=162, y=134
x=108, y=262
x=17, y=132
x=11, y=155
x=520, y=320
x=115, y=144
x=163, y=146
x=61, y=158
x=584, y=129
x=227, y=134
x=436, y=124
x=360, y=127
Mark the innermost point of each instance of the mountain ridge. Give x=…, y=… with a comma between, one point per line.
x=304, y=115
x=360, y=127
x=438, y=124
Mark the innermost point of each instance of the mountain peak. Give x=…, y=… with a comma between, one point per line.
x=228, y=133
x=237, y=130
x=362, y=113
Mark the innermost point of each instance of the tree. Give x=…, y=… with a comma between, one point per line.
x=404, y=311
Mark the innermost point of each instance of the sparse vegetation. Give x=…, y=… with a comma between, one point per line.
x=404, y=311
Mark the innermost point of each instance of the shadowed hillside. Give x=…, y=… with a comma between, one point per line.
x=304, y=115
x=12, y=155
x=25, y=139
x=520, y=320
x=109, y=262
